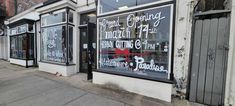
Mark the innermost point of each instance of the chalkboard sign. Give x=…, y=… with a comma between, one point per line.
x=137, y=43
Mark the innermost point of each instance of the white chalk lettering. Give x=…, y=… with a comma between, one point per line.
x=124, y=44
x=140, y=65
x=107, y=44
x=132, y=20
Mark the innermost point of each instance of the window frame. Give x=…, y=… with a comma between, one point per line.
x=53, y=13
x=66, y=24
x=171, y=40
x=27, y=45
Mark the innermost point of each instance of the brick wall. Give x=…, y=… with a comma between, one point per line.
x=22, y=5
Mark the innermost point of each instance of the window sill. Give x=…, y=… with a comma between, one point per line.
x=134, y=76
x=62, y=64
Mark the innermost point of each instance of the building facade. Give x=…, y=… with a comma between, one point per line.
x=156, y=48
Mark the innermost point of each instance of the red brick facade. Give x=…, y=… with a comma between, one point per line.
x=23, y=5
x=14, y=7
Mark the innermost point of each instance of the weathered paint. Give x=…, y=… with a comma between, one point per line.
x=182, y=44
x=230, y=80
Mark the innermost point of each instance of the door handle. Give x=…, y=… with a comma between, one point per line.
x=226, y=46
x=223, y=47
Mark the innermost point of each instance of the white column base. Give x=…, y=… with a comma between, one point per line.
x=21, y=62
x=148, y=88
x=53, y=68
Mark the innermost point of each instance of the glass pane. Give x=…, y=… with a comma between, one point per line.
x=31, y=46
x=88, y=17
x=70, y=17
x=21, y=47
x=53, y=46
x=14, y=31
x=53, y=19
x=112, y=5
x=14, y=46
x=22, y=29
x=137, y=43
x=140, y=2
x=30, y=28
x=70, y=44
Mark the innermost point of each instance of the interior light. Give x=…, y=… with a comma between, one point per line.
x=123, y=7
x=91, y=15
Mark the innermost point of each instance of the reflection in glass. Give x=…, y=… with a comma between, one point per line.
x=136, y=43
x=53, y=44
x=18, y=47
x=112, y=5
x=70, y=44
x=88, y=17
x=53, y=19
x=57, y=37
x=70, y=17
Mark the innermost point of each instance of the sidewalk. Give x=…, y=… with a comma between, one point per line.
x=29, y=87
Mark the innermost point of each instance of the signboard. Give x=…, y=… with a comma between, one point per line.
x=137, y=43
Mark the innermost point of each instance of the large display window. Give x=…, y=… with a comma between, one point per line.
x=137, y=43
x=22, y=40
x=57, y=36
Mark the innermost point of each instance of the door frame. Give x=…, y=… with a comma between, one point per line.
x=87, y=26
x=194, y=18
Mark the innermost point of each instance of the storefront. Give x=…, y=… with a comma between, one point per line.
x=135, y=48
x=58, y=37
x=22, y=47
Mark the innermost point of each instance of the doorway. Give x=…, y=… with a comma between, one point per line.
x=88, y=49
x=209, y=59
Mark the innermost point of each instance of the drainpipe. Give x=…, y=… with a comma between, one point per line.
x=15, y=1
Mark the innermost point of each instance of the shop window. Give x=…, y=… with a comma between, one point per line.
x=70, y=44
x=18, y=46
x=88, y=17
x=137, y=43
x=31, y=46
x=70, y=17
x=57, y=37
x=53, y=44
x=112, y=5
x=53, y=18
x=22, y=40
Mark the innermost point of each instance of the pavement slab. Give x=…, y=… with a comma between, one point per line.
x=94, y=100
x=55, y=97
x=21, y=86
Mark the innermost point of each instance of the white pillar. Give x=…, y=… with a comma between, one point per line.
x=230, y=79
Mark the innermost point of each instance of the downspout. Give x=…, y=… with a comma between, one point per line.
x=15, y=1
